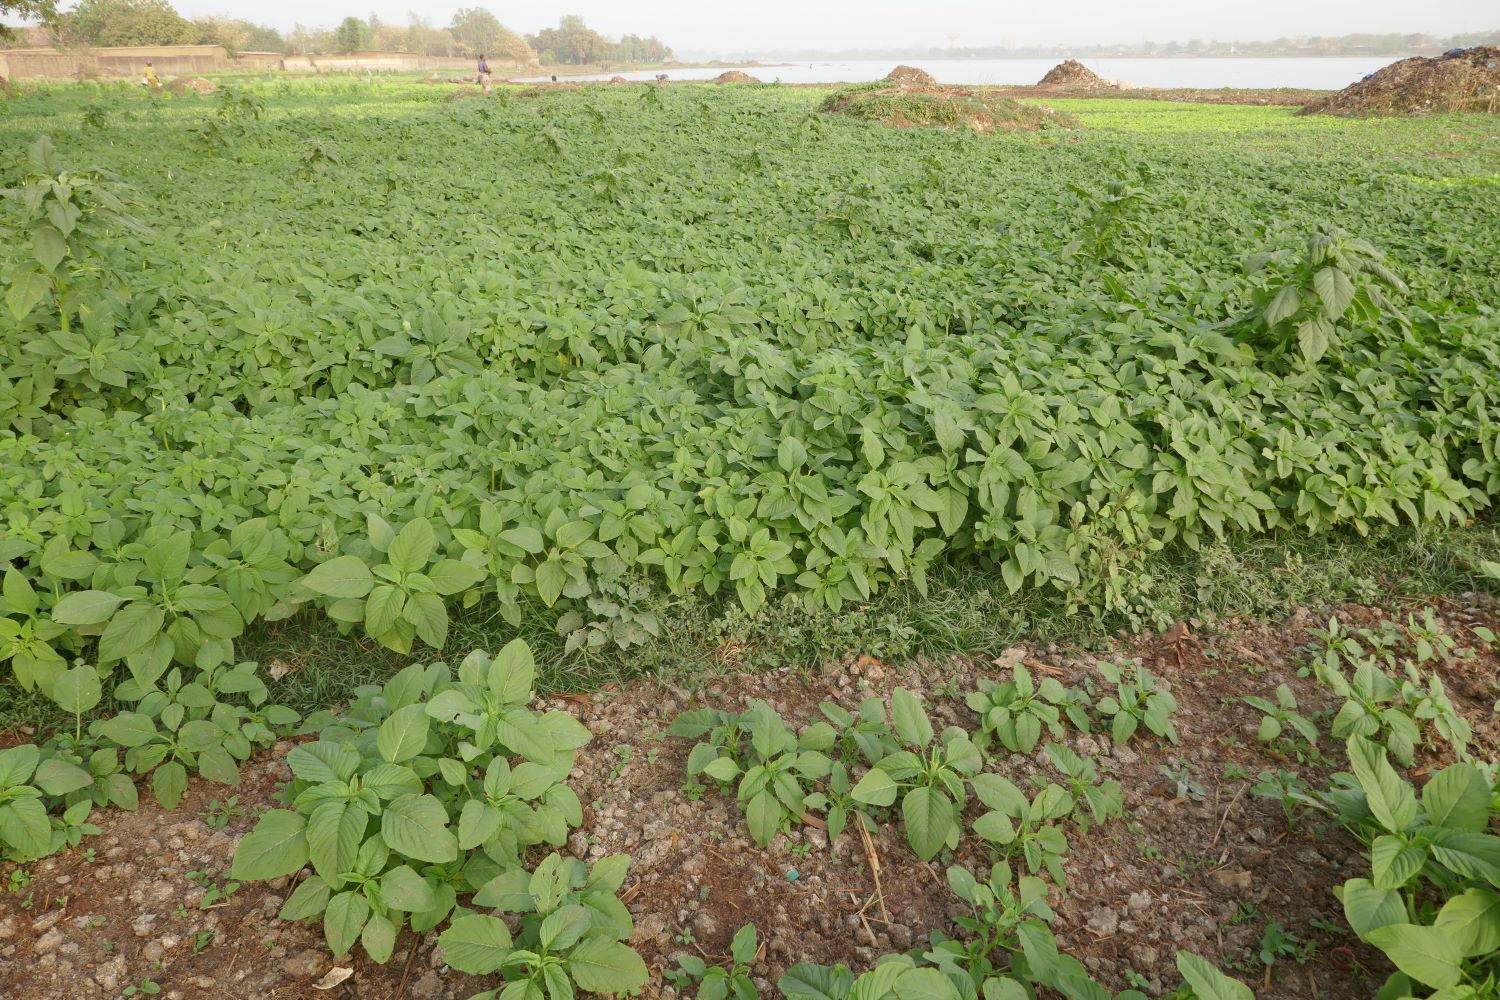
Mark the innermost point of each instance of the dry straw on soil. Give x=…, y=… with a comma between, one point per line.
x=1073, y=75
x=196, y=84
x=1462, y=80
x=910, y=76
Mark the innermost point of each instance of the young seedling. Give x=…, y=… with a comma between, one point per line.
x=928, y=779
x=1137, y=701
x=716, y=982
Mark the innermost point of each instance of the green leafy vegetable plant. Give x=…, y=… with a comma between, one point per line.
x=714, y=982
x=928, y=778
x=1137, y=701
x=1016, y=711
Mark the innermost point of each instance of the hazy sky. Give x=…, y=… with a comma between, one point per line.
x=706, y=26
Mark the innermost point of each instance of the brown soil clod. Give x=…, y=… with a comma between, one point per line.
x=734, y=76
x=1073, y=75
x=618, y=79
x=1458, y=80
x=910, y=76
x=196, y=84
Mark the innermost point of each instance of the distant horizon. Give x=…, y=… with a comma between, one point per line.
x=799, y=28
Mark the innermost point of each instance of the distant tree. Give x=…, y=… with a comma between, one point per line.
x=572, y=42
x=263, y=38
x=126, y=22
x=635, y=49
x=351, y=35
x=415, y=39
x=477, y=30
x=226, y=31
x=43, y=11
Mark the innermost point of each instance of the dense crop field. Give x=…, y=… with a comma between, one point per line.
x=577, y=344
x=365, y=353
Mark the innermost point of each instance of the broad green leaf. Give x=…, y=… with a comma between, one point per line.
x=76, y=690
x=1394, y=863
x=476, y=944
x=606, y=966
x=168, y=783
x=56, y=776
x=1207, y=982
x=450, y=576
x=1367, y=907
x=910, y=719
x=18, y=764
x=335, y=831
x=403, y=889
x=131, y=628
x=412, y=547
x=343, y=920
x=1390, y=798
x=876, y=788
x=815, y=982
x=1457, y=797
x=379, y=938
x=308, y=900
x=1472, y=918
x=929, y=816
x=417, y=826
x=1430, y=955
x=403, y=735
x=342, y=577
x=86, y=607
x=24, y=827
x=277, y=846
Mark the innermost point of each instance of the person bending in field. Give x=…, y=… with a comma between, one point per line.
x=152, y=80
x=484, y=73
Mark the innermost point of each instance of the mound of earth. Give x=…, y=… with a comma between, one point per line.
x=1459, y=80
x=943, y=107
x=734, y=76
x=618, y=79
x=910, y=76
x=1073, y=75
x=196, y=84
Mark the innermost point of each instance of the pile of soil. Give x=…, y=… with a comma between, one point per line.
x=910, y=76
x=734, y=76
x=196, y=84
x=1204, y=869
x=1460, y=80
x=913, y=106
x=618, y=79
x=1073, y=75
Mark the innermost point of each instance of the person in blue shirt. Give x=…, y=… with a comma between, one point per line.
x=484, y=73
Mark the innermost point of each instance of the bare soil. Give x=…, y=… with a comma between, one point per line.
x=1206, y=871
x=1073, y=75
x=1461, y=80
x=734, y=76
x=196, y=84
x=911, y=77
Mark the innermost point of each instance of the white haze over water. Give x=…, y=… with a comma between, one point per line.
x=1309, y=73
x=698, y=29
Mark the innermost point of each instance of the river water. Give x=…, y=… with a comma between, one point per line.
x=1318, y=73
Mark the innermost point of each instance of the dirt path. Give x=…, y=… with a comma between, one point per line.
x=1207, y=871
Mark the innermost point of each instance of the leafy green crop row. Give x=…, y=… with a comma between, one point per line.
x=655, y=365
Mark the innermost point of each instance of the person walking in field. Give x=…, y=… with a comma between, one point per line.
x=152, y=80
x=484, y=73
